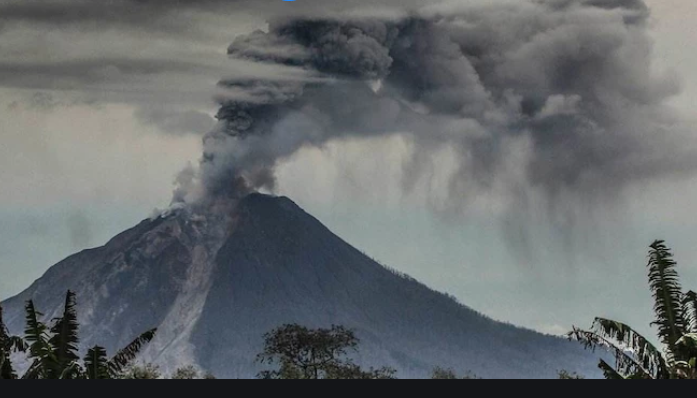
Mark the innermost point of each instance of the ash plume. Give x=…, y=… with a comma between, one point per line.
x=557, y=97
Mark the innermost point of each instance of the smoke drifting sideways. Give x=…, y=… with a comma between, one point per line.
x=557, y=97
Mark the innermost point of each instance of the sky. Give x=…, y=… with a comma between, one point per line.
x=101, y=108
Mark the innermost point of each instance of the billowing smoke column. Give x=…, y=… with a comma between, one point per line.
x=554, y=95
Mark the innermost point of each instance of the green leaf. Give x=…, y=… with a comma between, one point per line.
x=65, y=335
x=645, y=353
x=35, y=371
x=625, y=363
x=609, y=372
x=129, y=353
x=665, y=286
x=72, y=371
x=97, y=364
x=40, y=350
x=7, y=345
x=690, y=311
x=4, y=334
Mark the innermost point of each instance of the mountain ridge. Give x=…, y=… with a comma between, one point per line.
x=214, y=295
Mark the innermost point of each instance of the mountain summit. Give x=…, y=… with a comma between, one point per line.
x=214, y=288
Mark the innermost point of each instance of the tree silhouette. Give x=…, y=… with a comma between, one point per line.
x=302, y=353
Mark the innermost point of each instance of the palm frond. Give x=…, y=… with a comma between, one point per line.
x=35, y=371
x=17, y=344
x=686, y=350
x=625, y=363
x=690, y=311
x=72, y=371
x=642, y=350
x=689, y=342
x=609, y=372
x=64, y=339
x=11, y=344
x=129, y=353
x=4, y=333
x=97, y=364
x=6, y=370
x=8, y=345
x=35, y=330
x=40, y=349
x=664, y=282
x=686, y=370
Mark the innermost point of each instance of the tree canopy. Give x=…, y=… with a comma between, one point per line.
x=302, y=353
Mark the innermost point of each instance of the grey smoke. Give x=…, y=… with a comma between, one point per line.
x=177, y=122
x=559, y=94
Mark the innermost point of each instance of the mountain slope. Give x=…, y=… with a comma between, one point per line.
x=214, y=292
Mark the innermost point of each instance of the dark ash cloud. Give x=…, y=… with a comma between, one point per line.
x=552, y=96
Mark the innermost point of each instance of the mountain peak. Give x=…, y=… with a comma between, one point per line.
x=214, y=289
x=263, y=204
x=261, y=198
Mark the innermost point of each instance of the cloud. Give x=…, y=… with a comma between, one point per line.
x=555, y=100
x=555, y=96
x=120, y=52
x=560, y=105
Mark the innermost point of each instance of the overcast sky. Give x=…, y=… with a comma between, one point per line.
x=100, y=109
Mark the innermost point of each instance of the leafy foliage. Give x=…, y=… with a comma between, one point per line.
x=664, y=282
x=129, y=353
x=351, y=371
x=686, y=367
x=186, y=373
x=97, y=364
x=449, y=374
x=566, y=375
x=302, y=353
x=40, y=350
x=443, y=374
x=145, y=372
x=690, y=311
x=8, y=345
x=64, y=340
x=633, y=353
x=54, y=351
x=676, y=319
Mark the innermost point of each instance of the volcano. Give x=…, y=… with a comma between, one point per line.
x=215, y=286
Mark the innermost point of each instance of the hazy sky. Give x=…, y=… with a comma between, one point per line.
x=100, y=110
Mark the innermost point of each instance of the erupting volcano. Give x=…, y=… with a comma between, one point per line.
x=214, y=287
x=554, y=102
